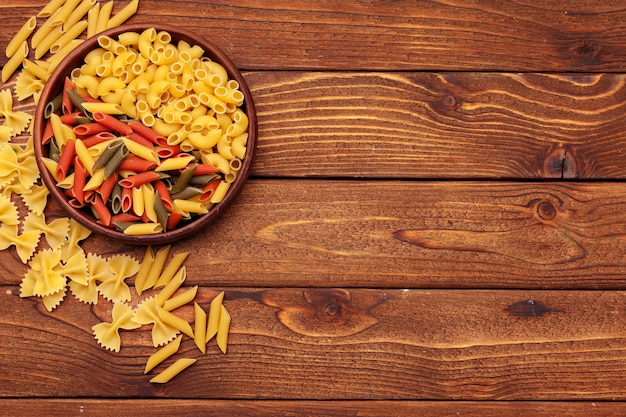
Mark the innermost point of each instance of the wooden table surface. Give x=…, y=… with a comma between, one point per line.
x=434, y=224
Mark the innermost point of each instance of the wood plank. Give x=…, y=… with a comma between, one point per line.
x=274, y=408
x=382, y=35
x=438, y=125
x=401, y=234
x=334, y=343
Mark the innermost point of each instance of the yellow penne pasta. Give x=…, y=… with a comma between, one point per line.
x=176, y=322
x=20, y=37
x=220, y=192
x=36, y=69
x=95, y=180
x=140, y=150
x=170, y=164
x=213, y=319
x=138, y=201
x=223, y=329
x=199, y=334
x=171, y=287
x=189, y=206
x=92, y=20
x=148, y=202
x=60, y=55
x=171, y=269
x=156, y=267
x=173, y=370
x=181, y=299
x=58, y=19
x=123, y=15
x=160, y=355
x=144, y=270
x=77, y=14
x=140, y=229
x=15, y=61
x=45, y=45
x=42, y=31
x=104, y=15
x=62, y=132
x=107, y=108
x=85, y=157
x=71, y=34
x=50, y=8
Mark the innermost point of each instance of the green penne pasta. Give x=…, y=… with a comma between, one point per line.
x=183, y=180
x=186, y=193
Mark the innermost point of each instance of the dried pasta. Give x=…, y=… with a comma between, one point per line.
x=160, y=355
x=173, y=370
x=115, y=288
x=147, y=313
x=107, y=334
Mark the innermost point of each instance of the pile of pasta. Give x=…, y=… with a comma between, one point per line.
x=147, y=134
x=52, y=249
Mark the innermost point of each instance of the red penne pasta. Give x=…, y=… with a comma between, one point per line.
x=80, y=179
x=66, y=104
x=65, y=161
x=204, y=169
x=146, y=131
x=168, y=151
x=70, y=118
x=112, y=123
x=136, y=137
x=137, y=164
x=106, y=188
x=90, y=129
x=102, y=211
x=90, y=196
x=75, y=203
x=48, y=134
x=139, y=179
x=127, y=199
x=97, y=138
x=124, y=217
x=209, y=189
x=173, y=219
x=161, y=188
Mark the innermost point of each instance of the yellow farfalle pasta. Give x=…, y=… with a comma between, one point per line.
x=107, y=334
x=17, y=121
x=55, y=232
x=147, y=313
x=122, y=267
x=45, y=276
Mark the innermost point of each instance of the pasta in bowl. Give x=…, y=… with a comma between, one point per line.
x=145, y=133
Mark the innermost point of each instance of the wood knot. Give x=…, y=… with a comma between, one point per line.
x=585, y=52
x=530, y=308
x=325, y=311
x=562, y=162
x=449, y=101
x=546, y=210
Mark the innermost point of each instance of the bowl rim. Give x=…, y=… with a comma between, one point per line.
x=52, y=88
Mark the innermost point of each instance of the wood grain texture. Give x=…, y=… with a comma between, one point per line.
x=438, y=125
x=334, y=343
x=302, y=408
x=402, y=234
x=394, y=35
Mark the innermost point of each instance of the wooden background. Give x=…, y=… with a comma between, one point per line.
x=434, y=225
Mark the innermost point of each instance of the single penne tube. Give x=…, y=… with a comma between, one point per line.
x=160, y=355
x=50, y=8
x=85, y=157
x=170, y=270
x=189, y=206
x=65, y=160
x=139, y=229
x=42, y=31
x=92, y=20
x=123, y=15
x=156, y=267
x=50, y=165
x=176, y=322
x=141, y=151
x=95, y=180
x=137, y=199
x=104, y=15
x=77, y=14
x=105, y=108
x=67, y=182
x=173, y=370
x=148, y=202
x=213, y=319
x=64, y=12
x=59, y=56
x=73, y=33
x=15, y=61
x=36, y=70
x=223, y=329
x=171, y=287
x=171, y=164
x=181, y=299
x=144, y=269
x=199, y=334
x=20, y=37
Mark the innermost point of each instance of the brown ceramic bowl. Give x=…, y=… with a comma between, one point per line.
x=84, y=216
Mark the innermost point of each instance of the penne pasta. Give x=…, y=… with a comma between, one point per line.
x=144, y=270
x=104, y=15
x=123, y=15
x=223, y=329
x=199, y=335
x=173, y=370
x=213, y=319
x=50, y=8
x=15, y=61
x=171, y=287
x=181, y=299
x=157, y=264
x=77, y=14
x=162, y=354
x=92, y=20
x=174, y=321
x=20, y=37
x=171, y=269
